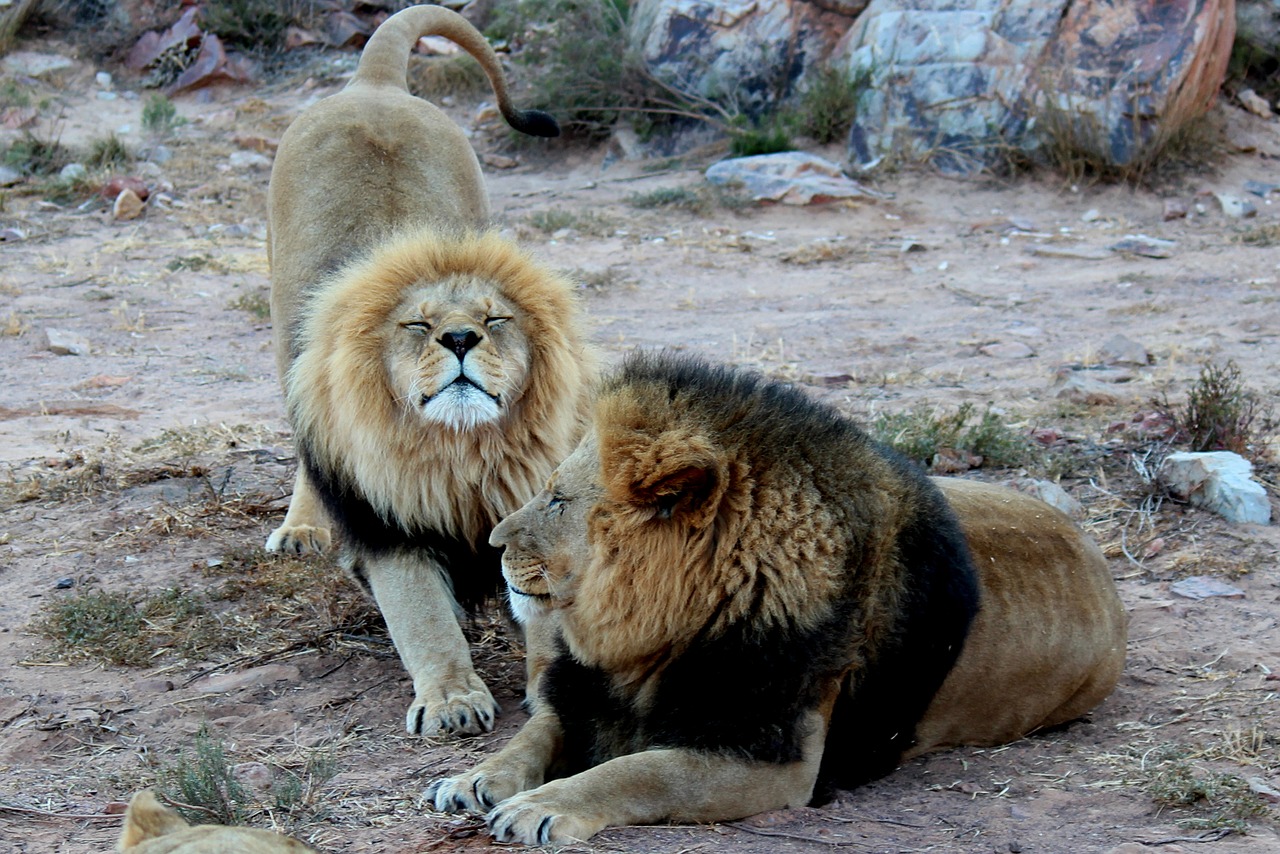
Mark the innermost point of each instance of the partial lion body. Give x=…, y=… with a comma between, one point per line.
x=434, y=373
x=152, y=828
x=755, y=602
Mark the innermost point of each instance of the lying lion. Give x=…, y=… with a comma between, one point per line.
x=152, y=828
x=754, y=600
x=434, y=374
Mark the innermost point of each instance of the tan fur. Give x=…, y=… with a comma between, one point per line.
x=152, y=828
x=630, y=593
x=433, y=371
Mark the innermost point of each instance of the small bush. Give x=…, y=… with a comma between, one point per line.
x=1220, y=413
x=201, y=786
x=1224, y=800
x=108, y=152
x=829, y=104
x=160, y=117
x=587, y=222
x=255, y=25
x=669, y=197
x=923, y=433
x=257, y=304
x=31, y=155
x=132, y=630
x=770, y=137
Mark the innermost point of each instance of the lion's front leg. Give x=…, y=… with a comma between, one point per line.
x=305, y=529
x=421, y=616
x=521, y=765
x=648, y=787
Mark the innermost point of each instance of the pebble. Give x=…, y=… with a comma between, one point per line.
x=224, y=683
x=249, y=160
x=1081, y=253
x=1084, y=389
x=1141, y=244
x=1204, y=587
x=1260, y=189
x=1175, y=209
x=65, y=584
x=1120, y=350
x=127, y=206
x=1007, y=350
x=73, y=172
x=1236, y=207
x=66, y=343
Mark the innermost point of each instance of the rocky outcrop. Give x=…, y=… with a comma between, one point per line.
x=960, y=83
x=743, y=54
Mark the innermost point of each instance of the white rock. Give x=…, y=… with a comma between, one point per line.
x=1050, y=493
x=73, y=172
x=66, y=343
x=127, y=206
x=249, y=160
x=789, y=177
x=1218, y=481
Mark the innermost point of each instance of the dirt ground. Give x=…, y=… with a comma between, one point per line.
x=160, y=461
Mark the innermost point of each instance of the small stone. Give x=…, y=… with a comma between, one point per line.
x=103, y=79
x=9, y=176
x=1079, y=253
x=1264, y=790
x=1218, y=481
x=1175, y=209
x=1119, y=350
x=73, y=172
x=1260, y=189
x=249, y=160
x=1079, y=387
x=1204, y=587
x=66, y=343
x=12, y=235
x=1091, y=215
x=1007, y=350
x=119, y=183
x=911, y=245
x=127, y=206
x=158, y=154
x=115, y=808
x=65, y=584
x=255, y=775
x=1236, y=207
x=153, y=686
x=1254, y=103
x=500, y=161
x=1050, y=493
x=1141, y=244
x=254, y=677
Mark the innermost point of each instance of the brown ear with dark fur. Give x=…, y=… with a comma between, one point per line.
x=675, y=475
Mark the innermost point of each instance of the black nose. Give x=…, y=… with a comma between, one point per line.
x=459, y=342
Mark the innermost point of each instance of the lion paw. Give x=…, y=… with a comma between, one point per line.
x=466, y=712
x=535, y=818
x=480, y=789
x=298, y=540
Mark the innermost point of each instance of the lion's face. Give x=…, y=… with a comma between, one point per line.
x=546, y=540
x=458, y=353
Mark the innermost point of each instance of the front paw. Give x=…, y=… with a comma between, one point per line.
x=299, y=540
x=539, y=818
x=465, y=710
x=489, y=783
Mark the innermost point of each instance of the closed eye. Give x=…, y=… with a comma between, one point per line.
x=495, y=322
x=557, y=502
x=419, y=326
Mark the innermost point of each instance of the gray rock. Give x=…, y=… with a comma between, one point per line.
x=30, y=63
x=1218, y=481
x=222, y=683
x=1080, y=387
x=956, y=83
x=9, y=177
x=73, y=172
x=1007, y=350
x=1236, y=207
x=790, y=177
x=1141, y=244
x=1050, y=493
x=249, y=160
x=1205, y=587
x=1119, y=350
x=740, y=52
x=1078, y=253
x=66, y=343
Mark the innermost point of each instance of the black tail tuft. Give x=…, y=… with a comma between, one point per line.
x=534, y=123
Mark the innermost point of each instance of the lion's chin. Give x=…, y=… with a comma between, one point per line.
x=461, y=407
x=526, y=607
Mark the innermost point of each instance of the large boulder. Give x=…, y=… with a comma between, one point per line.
x=960, y=83
x=742, y=54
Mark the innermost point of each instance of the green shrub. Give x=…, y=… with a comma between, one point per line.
x=160, y=117
x=829, y=103
x=202, y=786
x=923, y=432
x=1220, y=413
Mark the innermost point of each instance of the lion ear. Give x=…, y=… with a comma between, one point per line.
x=674, y=476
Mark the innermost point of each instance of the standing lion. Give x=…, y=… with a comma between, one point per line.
x=434, y=374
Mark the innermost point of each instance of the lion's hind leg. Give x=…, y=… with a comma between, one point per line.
x=305, y=529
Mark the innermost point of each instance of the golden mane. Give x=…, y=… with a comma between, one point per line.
x=341, y=402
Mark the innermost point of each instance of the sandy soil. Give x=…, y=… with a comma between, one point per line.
x=162, y=458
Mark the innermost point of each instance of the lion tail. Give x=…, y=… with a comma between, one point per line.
x=385, y=61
